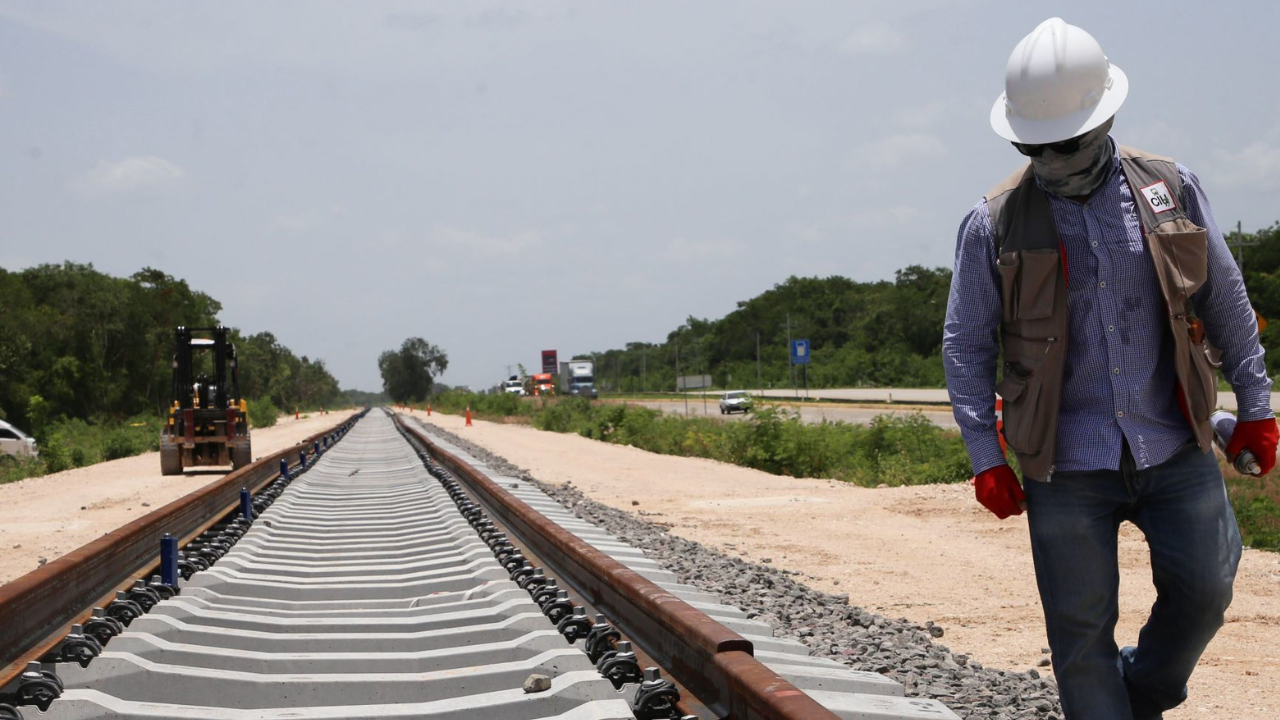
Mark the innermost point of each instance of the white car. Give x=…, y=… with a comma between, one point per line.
x=735, y=401
x=515, y=387
x=15, y=443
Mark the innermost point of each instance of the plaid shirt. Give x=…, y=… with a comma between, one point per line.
x=1119, y=378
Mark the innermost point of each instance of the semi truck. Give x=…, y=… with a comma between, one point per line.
x=543, y=384
x=577, y=377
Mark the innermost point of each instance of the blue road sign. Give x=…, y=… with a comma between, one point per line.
x=799, y=352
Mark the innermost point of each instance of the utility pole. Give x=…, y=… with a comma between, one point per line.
x=1237, y=244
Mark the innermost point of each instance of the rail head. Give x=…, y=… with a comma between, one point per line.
x=714, y=662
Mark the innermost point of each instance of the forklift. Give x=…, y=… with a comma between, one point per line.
x=208, y=420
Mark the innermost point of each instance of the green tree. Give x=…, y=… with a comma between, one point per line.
x=408, y=373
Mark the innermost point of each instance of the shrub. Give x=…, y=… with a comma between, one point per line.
x=263, y=413
x=54, y=455
x=121, y=443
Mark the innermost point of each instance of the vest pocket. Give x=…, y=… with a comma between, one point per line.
x=1183, y=259
x=1020, y=390
x=1023, y=391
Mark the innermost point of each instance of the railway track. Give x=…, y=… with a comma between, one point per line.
x=396, y=576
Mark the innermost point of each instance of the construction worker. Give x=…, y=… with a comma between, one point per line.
x=1101, y=274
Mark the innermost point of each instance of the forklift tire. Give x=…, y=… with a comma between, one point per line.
x=170, y=461
x=241, y=455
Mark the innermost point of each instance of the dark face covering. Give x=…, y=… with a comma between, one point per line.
x=1079, y=173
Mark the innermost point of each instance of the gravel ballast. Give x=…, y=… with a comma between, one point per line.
x=827, y=623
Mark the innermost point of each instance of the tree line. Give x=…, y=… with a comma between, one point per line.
x=76, y=343
x=883, y=333
x=886, y=333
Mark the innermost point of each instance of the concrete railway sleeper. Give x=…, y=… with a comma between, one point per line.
x=365, y=589
x=781, y=681
x=37, y=683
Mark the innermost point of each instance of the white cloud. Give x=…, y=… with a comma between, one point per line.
x=873, y=38
x=895, y=150
x=683, y=250
x=884, y=217
x=1256, y=165
x=444, y=237
x=304, y=220
x=803, y=233
x=923, y=117
x=133, y=174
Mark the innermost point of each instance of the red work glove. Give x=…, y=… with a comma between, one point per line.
x=1258, y=437
x=998, y=491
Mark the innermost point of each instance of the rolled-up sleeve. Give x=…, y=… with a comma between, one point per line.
x=1229, y=320
x=970, y=339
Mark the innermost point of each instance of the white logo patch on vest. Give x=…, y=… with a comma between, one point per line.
x=1159, y=197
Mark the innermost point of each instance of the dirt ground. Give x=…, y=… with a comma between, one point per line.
x=923, y=553
x=49, y=516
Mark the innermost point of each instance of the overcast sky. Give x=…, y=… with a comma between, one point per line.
x=503, y=178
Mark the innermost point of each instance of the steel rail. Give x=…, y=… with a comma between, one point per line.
x=688, y=705
x=39, y=608
x=714, y=662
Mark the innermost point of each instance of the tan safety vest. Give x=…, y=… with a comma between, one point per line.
x=1034, y=289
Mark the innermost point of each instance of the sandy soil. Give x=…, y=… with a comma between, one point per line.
x=923, y=553
x=49, y=516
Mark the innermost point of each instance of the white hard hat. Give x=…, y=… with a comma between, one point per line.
x=1058, y=84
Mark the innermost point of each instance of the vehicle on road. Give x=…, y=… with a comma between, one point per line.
x=513, y=386
x=735, y=401
x=544, y=384
x=577, y=377
x=15, y=443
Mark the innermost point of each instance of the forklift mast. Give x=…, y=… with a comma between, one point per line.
x=224, y=390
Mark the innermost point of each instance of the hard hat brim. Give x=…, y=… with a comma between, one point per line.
x=1040, y=132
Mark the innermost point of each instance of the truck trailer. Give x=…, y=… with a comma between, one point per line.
x=577, y=377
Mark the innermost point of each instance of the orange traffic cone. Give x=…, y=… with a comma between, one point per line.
x=428, y=409
x=468, y=416
x=295, y=412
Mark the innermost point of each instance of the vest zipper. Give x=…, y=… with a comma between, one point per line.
x=1048, y=340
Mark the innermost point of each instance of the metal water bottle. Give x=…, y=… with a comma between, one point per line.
x=1224, y=425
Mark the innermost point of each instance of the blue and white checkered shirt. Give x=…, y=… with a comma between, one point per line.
x=1119, y=379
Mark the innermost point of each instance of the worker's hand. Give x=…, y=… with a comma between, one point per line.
x=998, y=491
x=1258, y=437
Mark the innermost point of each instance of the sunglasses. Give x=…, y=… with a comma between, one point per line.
x=1062, y=147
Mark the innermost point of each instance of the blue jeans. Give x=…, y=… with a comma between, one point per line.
x=1181, y=507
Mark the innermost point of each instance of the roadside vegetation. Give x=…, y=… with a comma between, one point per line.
x=892, y=450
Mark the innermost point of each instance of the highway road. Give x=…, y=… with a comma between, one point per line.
x=1226, y=400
